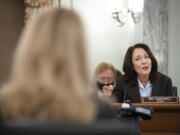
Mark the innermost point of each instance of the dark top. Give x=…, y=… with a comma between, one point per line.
x=105, y=110
x=161, y=87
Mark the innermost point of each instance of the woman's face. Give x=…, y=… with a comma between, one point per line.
x=106, y=77
x=141, y=62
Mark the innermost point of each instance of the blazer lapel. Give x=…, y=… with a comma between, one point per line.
x=133, y=93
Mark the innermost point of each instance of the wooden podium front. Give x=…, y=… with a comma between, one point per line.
x=166, y=119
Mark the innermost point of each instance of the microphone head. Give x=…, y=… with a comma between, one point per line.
x=129, y=102
x=144, y=112
x=126, y=105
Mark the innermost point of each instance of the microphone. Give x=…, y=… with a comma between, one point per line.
x=126, y=103
x=127, y=87
x=144, y=112
x=126, y=110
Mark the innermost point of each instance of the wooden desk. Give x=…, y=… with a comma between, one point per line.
x=166, y=119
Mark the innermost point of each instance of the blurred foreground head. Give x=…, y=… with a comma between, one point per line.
x=49, y=75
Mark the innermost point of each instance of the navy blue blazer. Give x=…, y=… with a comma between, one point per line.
x=161, y=87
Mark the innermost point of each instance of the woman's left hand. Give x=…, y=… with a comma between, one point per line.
x=107, y=90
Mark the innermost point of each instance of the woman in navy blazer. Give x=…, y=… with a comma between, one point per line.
x=141, y=76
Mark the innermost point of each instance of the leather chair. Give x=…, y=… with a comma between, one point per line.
x=174, y=91
x=121, y=126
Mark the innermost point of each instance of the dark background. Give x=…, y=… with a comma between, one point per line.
x=11, y=24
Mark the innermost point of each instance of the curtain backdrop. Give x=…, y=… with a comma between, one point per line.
x=155, y=30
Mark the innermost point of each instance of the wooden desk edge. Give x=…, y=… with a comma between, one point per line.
x=154, y=106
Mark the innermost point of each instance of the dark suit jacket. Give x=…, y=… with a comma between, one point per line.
x=161, y=87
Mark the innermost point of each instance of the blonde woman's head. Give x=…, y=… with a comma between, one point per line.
x=50, y=67
x=52, y=49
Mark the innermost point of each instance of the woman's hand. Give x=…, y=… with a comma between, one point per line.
x=107, y=90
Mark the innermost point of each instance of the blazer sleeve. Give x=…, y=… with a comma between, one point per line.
x=118, y=91
x=163, y=87
x=169, y=87
x=166, y=85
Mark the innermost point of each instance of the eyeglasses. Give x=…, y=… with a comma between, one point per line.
x=107, y=79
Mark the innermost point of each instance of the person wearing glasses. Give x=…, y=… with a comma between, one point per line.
x=104, y=79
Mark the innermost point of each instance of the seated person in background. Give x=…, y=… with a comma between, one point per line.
x=104, y=79
x=49, y=79
x=141, y=76
x=118, y=73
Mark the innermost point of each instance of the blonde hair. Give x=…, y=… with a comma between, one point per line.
x=49, y=76
x=99, y=69
x=104, y=66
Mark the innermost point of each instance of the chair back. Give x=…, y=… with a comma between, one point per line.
x=174, y=91
x=124, y=126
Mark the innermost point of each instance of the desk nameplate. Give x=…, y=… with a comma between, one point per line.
x=160, y=99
